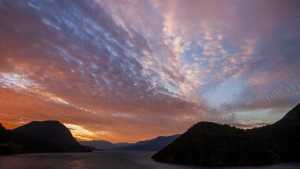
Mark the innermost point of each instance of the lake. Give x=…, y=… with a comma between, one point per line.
x=100, y=160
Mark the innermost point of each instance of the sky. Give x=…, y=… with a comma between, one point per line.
x=129, y=70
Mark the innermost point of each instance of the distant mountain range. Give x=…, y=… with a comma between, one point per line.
x=39, y=137
x=152, y=144
x=211, y=144
x=103, y=145
x=147, y=145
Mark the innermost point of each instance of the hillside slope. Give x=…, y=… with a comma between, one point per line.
x=39, y=137
x=210, y=144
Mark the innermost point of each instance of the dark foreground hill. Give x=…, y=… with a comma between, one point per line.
x=3, y=134
x=39, y=137
x=210, y=144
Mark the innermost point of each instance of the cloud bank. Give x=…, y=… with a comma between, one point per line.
x=129, y=70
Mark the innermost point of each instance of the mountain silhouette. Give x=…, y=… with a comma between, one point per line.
x=152, y=144
x=3, y=134
x=103, y=145
x=40, y=137
x=211, y=144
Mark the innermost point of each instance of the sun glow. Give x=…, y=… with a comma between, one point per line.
x=80, y=132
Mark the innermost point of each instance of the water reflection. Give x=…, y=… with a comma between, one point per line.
x=101, y=160
x=77, y=164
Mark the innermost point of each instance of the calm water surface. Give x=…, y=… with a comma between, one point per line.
x=100, y=160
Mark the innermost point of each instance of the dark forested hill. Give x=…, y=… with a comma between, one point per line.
x=211, y=144
x=39, y=137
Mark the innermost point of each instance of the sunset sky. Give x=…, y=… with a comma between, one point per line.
x=128, y=70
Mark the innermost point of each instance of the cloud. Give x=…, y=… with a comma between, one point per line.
x=80, y=132
x=134, y=69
